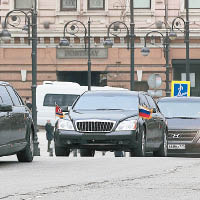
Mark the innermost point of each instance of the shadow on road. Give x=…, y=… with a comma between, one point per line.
x=8, y=163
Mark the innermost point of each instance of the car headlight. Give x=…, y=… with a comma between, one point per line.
x=64, y=124
x=128, y=125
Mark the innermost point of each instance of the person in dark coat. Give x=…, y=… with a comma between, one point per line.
x=49, y=133
x=28, y=103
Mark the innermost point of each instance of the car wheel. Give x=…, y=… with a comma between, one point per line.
x=132, y=153
x=27, y=154
x=119, y=154
x=87, y=153
x=162, y=151
x=61, y=151
x=141, y=149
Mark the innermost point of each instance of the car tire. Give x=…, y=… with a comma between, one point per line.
x=87, y=153
x=162, y=151
x=61, y=151
x=119, y=154
x=26, y=155
x=132, y=153
x=141, y=148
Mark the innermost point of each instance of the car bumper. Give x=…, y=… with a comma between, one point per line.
x=189, y=149
x=122, y=140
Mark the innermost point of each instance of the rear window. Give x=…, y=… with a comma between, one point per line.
x=59, y=99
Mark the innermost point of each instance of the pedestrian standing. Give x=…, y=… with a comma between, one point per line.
x=49, y=133
x=28, y=103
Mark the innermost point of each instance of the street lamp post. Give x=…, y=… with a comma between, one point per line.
x=131, y=41
x=176, y=25
x=5, y=35
x=132, y=38
x=72, y=28
x=145, y=52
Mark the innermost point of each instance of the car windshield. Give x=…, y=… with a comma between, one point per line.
x=180, y=109
x=107, y=102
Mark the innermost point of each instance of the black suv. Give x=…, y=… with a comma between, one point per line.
x=16, y=125
x=111, y=121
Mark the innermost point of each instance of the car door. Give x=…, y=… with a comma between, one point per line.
x=20, y=116
x=150, y=124
x=157, y=118
x=3, y=125
x=6, y=118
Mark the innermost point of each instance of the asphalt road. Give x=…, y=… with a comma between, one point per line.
x=99, y=178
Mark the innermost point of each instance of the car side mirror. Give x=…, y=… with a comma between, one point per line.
x=5, y=108
x=154, y=110
x=65, y=108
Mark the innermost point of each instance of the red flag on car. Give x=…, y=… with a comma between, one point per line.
x=59, y=112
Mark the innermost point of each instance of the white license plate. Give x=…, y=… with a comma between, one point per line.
x=176, y=146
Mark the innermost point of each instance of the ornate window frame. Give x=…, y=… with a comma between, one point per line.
x=67, y=9
x=89, y=7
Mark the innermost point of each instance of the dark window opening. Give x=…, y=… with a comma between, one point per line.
x=141, y=86
x=179, y=69
x=97, y=78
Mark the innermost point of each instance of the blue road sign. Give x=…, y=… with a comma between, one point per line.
x=180, y=89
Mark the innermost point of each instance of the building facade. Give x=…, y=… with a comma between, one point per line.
x=109, y=66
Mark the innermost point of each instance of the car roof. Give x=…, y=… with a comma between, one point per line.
x=4, y=83
x=179, y=99
x=119, y=92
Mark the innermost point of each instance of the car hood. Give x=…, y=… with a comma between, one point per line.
x=178, y=123
x=116, y=115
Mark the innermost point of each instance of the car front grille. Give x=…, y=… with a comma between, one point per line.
x=95, y=126
x=182, y=135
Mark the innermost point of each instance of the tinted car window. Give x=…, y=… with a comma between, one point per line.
x=107, y=101
x=14, y=96
x=143, y=100
x=5, y=96
x=59, y=99
x=151, y=102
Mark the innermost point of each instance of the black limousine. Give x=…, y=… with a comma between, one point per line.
x=110, y=121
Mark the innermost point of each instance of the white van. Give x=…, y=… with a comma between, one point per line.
x=60, y=93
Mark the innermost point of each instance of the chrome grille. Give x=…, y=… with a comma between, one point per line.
x=100, y=126
x=182, y=135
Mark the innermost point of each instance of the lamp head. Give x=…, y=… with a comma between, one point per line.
x=64, y=42
x=108, y=43
x=145, y=51
x=172, y=35
x=25, y=28
x=5, y=35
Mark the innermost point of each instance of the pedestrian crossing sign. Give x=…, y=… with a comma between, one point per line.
x=180, y=88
